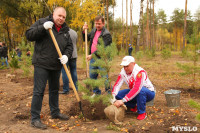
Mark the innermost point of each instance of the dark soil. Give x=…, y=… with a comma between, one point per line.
x=90, y=111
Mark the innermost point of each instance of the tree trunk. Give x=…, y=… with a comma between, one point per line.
x=122, y=25
x=139, y=26
x=113, y=19
x=153, y=38
x=185, y=25
x=107, y=15
x=147, y=26
x=126, y=25
x=104, y=9
x=176, y=40
x=150, y=35
x=131, y=22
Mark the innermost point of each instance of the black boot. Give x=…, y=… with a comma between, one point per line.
x=61, y=117
x=38, y=124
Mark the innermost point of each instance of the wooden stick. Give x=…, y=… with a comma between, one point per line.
x=86, y=53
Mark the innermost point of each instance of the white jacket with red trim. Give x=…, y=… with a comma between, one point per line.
x=135, y=81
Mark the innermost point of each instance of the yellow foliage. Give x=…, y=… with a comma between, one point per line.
x=178, y=35
x=85, y=12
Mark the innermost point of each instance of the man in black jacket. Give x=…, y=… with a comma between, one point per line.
x=46, y=62
x=98, y=32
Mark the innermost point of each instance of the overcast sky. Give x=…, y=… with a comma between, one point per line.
x=167, y=5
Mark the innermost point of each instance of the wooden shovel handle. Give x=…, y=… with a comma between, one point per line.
x=86, y=53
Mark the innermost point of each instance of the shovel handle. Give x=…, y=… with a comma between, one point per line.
x=64, y=65
x=86, y=53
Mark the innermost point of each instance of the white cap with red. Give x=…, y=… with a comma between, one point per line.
x=127, y=60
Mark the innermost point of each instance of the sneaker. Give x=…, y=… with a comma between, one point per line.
x=134, y=109
x=61, y=117
x=38, y=124
x=142, y=116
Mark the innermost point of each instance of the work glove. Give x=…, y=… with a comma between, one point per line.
x=63, y=59
x=48, y=25
x=113, y=99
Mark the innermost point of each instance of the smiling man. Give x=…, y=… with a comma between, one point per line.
x=140, y=89
x=47, y=64
x=98, y=32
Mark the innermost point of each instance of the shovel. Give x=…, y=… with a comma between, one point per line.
x=66, y=70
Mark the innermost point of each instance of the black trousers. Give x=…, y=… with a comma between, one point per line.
x=41, y=76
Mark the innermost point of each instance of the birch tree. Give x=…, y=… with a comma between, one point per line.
x=139, y=26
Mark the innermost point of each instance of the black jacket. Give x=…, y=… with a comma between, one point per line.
x=4, y=51
x=1, y=51
x=45, y=54
x=105, y=34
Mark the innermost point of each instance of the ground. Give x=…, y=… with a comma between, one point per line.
x=16, y=95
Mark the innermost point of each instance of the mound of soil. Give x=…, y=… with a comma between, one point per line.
x=91, y=111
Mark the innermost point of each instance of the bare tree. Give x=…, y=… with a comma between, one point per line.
x=126, y=24
x=122, y=24
x=147, y=26
x=153, y=41
x=107, y=14
x=150, y=26
x=104, y=9
x=131, y=22
x=139, y=26
x=185, y=25
x=113, y=2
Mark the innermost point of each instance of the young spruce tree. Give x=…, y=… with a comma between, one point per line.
x=105, y=63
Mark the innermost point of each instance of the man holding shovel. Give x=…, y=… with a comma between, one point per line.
x=47, y=64
x=140, y=89
x=96, y=33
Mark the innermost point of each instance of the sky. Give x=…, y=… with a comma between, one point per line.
x=167, y=5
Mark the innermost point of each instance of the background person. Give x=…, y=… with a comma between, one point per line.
x=140, y=89
x=0, y=51
x=46, y=62
x=4, y=54
x=130, y=49
x=96, y=33
x=19, y=52
x=71, y=64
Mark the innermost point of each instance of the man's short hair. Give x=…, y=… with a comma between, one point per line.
x=59, y=7
x=98, y=18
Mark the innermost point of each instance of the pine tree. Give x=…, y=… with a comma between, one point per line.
x=105, y=63
x=26, y=61
x=196, y=105
x=14, y=63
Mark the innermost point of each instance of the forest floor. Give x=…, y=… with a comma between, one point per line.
x=16, y=95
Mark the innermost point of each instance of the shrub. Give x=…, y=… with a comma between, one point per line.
x=166, y=53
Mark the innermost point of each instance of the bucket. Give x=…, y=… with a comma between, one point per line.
x=172, y=98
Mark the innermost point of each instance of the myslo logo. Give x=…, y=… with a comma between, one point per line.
x=184, y=128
